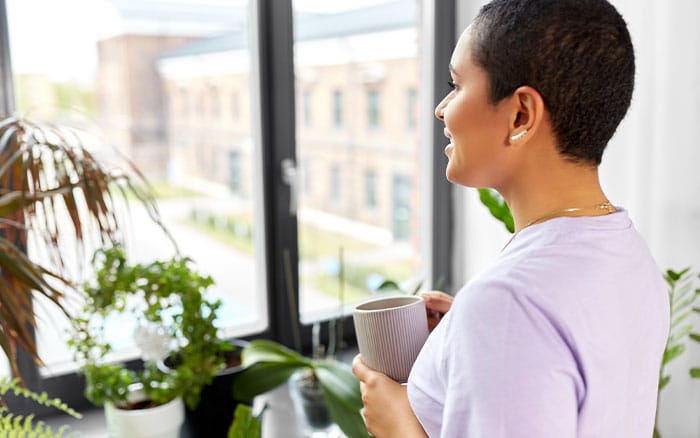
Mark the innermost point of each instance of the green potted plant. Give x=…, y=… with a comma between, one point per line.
x=322, y=388
x=323, y=382
x=49, y=176
x=167, y=298
x=12, y=425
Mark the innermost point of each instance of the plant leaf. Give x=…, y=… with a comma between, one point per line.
x=679, y=334
x=497, y=207
x=245, y=424
x=342, y=398
x=261, y=350
x=695, y=373
x=262, y=377
x=389, y=285
x=673, y=352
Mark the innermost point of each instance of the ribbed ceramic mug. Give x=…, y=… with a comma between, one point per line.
x=390, y=333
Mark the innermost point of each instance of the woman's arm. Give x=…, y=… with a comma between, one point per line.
x=387, y=411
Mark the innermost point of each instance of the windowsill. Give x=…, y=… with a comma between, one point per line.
x=279, y=418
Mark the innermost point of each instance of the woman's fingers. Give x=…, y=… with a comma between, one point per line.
x=437, y=304
x=359, y=369
x=437, y=301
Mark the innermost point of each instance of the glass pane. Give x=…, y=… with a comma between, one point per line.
x=167, y=85
x=356, y=78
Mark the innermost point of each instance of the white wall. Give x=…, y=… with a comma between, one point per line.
x=650, y=168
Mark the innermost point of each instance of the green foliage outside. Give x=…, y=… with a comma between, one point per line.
x=356, y=278
x=64, y=99
x=315, y=244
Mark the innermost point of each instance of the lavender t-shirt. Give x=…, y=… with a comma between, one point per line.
x=562, y=336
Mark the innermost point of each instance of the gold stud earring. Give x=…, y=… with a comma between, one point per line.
x=518, y=136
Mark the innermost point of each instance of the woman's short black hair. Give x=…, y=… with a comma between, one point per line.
x=576, y=53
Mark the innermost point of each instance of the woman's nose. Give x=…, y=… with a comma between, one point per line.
x=440, y=109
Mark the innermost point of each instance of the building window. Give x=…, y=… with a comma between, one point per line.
x=335, y=184
x=401, y=207
x=370, y=189
x=373, y=109
x=338, y=108
x=234, y=171
x=411, y=108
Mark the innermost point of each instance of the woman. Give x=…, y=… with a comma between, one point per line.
x=563, y=335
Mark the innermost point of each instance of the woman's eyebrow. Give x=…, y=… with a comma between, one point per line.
x=453, y=71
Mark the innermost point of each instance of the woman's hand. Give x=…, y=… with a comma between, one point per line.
x=387, y=411
x=436, y=304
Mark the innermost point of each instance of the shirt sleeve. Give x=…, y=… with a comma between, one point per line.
x=508, y=368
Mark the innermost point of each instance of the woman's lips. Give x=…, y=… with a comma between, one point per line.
x=448, y=150
x=449, y=147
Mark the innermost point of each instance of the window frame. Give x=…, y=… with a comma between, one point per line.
x=272, y=46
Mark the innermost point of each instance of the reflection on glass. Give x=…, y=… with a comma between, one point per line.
x=357, y=78
x=165, y=84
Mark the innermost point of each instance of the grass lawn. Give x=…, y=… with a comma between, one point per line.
x=163, y=190
x=315, y=244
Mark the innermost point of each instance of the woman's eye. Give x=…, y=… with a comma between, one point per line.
x=452, y=84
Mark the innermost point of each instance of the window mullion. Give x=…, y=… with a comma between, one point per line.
x=277, y=128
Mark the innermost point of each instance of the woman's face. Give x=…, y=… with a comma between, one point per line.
x=478, y=131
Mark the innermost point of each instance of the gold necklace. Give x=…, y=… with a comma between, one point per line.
x=606, y=207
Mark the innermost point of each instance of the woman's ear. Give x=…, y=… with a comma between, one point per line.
x=527, y=114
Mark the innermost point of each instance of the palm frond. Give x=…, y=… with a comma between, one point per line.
x=52, y=185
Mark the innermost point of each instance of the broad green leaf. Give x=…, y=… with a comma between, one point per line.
x=497, y=207
x=337, y=377
x=262, y=377
x=663, y=382
x=695, y=373
x=268, y=351
x=695, y=337
x=245, y=424
x=342, y=404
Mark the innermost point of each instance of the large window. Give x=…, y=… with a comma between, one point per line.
x=149, y=79
x=367, y=226
x=216, y=103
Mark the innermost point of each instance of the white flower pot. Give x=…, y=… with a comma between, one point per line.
x=162, y=421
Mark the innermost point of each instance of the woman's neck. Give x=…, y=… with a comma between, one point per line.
x=568, y=189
